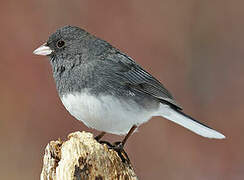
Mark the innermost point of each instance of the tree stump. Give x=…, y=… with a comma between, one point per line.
x=82, y=157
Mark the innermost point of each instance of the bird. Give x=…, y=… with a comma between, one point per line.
x=106, y=89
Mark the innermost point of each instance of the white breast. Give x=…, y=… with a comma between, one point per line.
x=105, y=113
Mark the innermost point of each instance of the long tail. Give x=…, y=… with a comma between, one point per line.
x=188, y=122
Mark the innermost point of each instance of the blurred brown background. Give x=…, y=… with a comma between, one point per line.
x=194, y=47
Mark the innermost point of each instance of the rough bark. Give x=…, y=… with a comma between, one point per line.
x=82, y=157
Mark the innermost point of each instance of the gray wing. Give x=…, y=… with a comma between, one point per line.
x=139, y=80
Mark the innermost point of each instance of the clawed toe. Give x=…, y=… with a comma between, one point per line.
x=119, y=148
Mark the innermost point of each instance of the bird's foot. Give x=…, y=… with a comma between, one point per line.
x=119, y=148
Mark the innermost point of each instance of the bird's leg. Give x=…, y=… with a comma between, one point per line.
x=119, y=146
x=132, y=129
x=99, y=136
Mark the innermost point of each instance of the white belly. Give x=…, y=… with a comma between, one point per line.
x=105, y=113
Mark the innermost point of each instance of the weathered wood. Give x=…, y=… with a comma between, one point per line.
x=82, y=157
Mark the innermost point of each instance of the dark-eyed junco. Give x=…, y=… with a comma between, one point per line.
x=106, y=89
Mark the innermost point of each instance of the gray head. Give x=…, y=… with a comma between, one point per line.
x=70, y=50
x=69, y=44
x=63, y=45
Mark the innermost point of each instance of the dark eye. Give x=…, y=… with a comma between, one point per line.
x=60, y=43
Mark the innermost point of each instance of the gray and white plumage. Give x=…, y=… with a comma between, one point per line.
x=106, y=89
